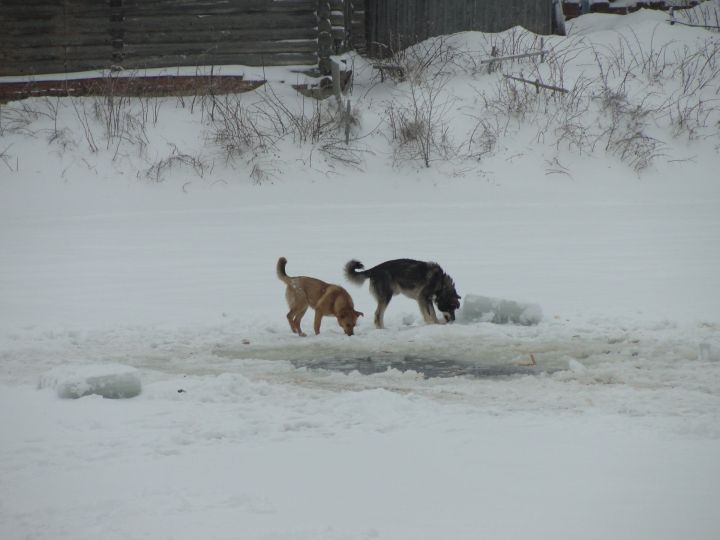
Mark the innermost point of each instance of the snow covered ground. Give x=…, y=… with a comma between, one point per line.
x=602, y=421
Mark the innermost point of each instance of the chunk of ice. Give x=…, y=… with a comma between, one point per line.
x=709, y=352
x=478, y=308
x=114, y=381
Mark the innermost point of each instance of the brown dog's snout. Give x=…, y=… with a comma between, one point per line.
x=348, y=329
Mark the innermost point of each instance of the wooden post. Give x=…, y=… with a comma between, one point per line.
x=491, y=65
x=337, y=86
x=325, y=37
x=347, y=124
x=537, y=84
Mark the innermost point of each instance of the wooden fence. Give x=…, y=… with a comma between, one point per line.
x=61, y=36
x=396, y=24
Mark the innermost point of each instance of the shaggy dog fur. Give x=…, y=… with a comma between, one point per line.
x=325, y=298
x=423, y=281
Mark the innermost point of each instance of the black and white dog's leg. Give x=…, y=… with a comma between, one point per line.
x=383, y=294
x=427, y=310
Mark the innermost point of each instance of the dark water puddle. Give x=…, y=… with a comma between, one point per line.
x=427, y=367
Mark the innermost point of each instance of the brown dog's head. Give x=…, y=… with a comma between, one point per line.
x=347, y=319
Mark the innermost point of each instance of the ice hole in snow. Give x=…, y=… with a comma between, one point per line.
x=114, y=381
x=427, y=368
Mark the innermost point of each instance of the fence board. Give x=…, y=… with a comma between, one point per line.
x=219, y=36
x=266, y=48
x=249, y=59
x=191, y=24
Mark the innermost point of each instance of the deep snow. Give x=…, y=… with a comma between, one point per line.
x=602, y=421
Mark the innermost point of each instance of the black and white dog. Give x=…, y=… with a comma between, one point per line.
x=423, y=281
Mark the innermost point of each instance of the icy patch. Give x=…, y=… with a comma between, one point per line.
x=114, y=381
x=477, y=308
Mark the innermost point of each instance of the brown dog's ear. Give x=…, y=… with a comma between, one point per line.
x=359, y=314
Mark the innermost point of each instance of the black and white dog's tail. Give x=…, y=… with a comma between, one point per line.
x=353, y=272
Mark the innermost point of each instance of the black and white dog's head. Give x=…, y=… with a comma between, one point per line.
x=447, y=298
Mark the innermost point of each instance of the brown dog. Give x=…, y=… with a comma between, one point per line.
x=325, y=298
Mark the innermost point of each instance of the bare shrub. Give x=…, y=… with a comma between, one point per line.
x=86, y=122
x=236, y=128
x=698, y=69
x=158, y=171
x=690, y=116
x=419, y=128
x=595, y=113
x=626, y=129
x=703, y=14
x=19, y=116
x=120, y=121
x=259, y=174
x=257, y=124
x=340, y=152
x=6, y=158
x=484, y=138
x=636, y=149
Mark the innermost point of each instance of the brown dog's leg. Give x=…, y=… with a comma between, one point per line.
x=297, y=318
x=318, y=320
x=297, y=302
x=324, y=307
x=291, y=320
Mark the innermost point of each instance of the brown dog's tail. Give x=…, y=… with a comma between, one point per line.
x=352, y=272
x=280, y=268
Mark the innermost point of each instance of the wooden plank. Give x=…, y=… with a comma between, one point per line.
x=41, y=54
x=129, y=86
x=196, y=49
x=31, y=12
x=278, y=59
x=33, y=3
x=38, y=29
x=239, y=5
x=221, y=36
x=57, y=39
x=194, y=8
x=256, y=21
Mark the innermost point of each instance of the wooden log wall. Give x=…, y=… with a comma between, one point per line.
x=46, y=36
x=396, y=24
x=61, y=36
